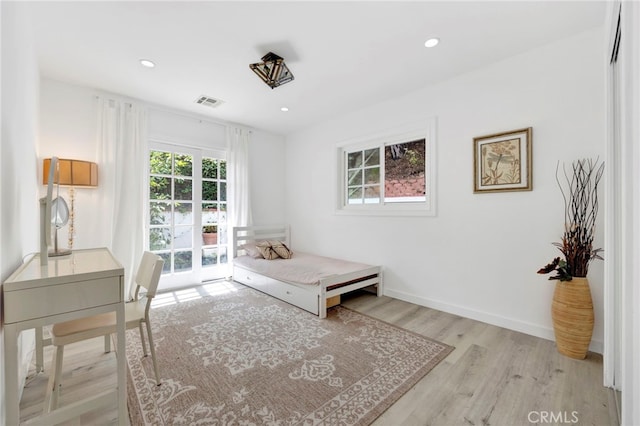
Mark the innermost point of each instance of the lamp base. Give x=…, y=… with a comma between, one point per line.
x=59, y=252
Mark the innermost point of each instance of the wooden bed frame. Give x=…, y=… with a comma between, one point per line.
x=312, y=298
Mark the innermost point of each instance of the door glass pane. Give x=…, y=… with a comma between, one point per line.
x=214, y=256
x=160, y=163
x=183, y=189
x=183, y=165
x=183, y=261
x=160, y=238
x=209, y=257
x=209, y=168
x=210, y=235
x=209, y=190
x=160, y=213
x=222, y=236
x=159, y=188
x=222, y=220
x=213, y=209
x=183, y=237
x=209, y=213
x=223, y=191
x=166, y=268
x=183, y=213
x=223, y=212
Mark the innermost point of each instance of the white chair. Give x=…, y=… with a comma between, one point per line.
x=136, y=313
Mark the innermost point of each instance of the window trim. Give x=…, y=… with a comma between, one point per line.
x=425, y=129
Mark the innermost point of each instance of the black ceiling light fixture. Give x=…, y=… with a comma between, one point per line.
x=272, y=70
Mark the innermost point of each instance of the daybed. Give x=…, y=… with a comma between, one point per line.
x=304, y=280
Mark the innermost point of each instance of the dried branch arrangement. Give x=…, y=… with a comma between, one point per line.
x=579, y=188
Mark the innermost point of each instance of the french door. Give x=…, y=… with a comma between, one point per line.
x=187, y=215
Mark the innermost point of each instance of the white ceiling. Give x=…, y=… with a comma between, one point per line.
x=344, y=55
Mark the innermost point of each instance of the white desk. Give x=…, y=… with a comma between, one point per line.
x=85, y=283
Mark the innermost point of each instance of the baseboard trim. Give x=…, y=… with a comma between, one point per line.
x=497, y=320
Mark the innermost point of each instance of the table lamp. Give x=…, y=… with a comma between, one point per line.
x=74, y=174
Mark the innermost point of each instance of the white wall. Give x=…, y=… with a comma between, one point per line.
x=172, y=127
x=18, y=188
x=68, y=129
x=267, y=178
x=479, y=256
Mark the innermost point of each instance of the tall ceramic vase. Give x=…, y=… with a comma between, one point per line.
x=572, y=314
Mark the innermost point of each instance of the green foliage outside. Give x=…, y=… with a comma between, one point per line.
x=162, y=165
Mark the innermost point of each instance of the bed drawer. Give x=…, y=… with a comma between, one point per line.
x=305, y=299
x=257, y=281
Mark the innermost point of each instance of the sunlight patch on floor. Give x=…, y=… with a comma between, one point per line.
x=219, y=287
x=180, y=296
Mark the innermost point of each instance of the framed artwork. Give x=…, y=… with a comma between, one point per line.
x=503, y=161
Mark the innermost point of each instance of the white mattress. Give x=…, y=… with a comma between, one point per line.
x=302, y=268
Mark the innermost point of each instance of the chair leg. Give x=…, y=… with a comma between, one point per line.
x=153, y=353
x=144, y=344
x=107, y=343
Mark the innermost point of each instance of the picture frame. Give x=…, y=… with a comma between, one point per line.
x=503, y=161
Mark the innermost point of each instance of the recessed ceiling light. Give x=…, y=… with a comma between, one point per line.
x=147, y=63
x=284, y=109
x=432, y=42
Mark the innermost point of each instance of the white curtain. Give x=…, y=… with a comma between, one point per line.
x=122, y=154
x=238, y=176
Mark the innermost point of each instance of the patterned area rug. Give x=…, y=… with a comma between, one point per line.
x=245, y=358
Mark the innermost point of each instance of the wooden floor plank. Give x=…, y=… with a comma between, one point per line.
x=521, y=375
x=494, y=376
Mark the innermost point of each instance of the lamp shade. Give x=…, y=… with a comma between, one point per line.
x=72, y=172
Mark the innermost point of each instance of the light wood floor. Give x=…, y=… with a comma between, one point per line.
x=493, y=377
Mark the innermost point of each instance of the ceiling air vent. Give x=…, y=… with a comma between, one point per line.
x=208, y=101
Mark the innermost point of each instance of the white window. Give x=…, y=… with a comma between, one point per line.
x=187, y=213
x=389, y=174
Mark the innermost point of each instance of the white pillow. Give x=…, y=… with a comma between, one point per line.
x=252, y=250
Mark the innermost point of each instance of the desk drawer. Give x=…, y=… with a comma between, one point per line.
x=32, y=303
